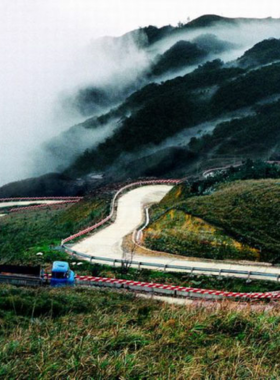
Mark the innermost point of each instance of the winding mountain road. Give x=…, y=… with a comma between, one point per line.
x=107, y=243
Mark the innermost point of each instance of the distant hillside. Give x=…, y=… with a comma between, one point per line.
x=182, y=54
x=48, y=185
x=256, y=136
x=262, y=53
x=166, y=109
x=160, y=111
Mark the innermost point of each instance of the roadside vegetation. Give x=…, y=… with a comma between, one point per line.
x=221, y=217
x=27, y=233
x=81, y=333
x=181, y=233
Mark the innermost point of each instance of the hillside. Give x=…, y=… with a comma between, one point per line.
x=165, y=110
x=182, y=54
x=234, y=220
x=80, y=333
x=255, y=136
x=248, y=210
x=264, y=52
x=42, y=230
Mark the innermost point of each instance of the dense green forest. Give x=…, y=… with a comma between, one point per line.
x=162, y=110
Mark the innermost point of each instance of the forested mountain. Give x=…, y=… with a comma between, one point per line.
x=208, y=94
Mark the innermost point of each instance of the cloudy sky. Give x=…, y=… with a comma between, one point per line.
x=40, y=39
x=57, y=17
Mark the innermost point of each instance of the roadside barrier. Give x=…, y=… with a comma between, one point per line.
x=38, y=199
x=180, y=268
x=113, y=205
x=30, y=208
x=171, y=290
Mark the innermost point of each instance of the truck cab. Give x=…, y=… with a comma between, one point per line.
x=62, y=275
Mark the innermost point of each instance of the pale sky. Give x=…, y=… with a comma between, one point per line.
x=118, y=16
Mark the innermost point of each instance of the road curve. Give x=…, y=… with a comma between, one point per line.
x=107, y=242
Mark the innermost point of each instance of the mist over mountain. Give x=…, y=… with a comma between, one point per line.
x=164, y=102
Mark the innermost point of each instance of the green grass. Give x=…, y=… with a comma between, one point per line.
x=24, y=234
x=247, y=211
x=181, y=233
x=89, y=334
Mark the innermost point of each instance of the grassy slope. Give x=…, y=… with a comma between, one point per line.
x=79, y=333
x=178, y=232
x=25, y=234
x=247, y=210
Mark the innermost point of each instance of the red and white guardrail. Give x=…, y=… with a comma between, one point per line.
x=109, y=217
x=171, y=290
x=38, y=199
x=30, y=208
x=58, y=201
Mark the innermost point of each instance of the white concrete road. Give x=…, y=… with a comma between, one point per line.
x=25, y=203
x=107, y=243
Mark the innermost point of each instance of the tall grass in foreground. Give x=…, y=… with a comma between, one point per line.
x=89, y=334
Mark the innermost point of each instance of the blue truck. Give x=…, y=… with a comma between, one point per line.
x=62, y=275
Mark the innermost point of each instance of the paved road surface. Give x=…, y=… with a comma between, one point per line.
x=25, y=203
x=107, y=242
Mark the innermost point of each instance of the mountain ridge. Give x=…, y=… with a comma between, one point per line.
x=193, y=97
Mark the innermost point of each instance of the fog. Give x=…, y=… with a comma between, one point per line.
x=42, y=62
x=243, y=34
x=48, y=54
x=240, y=37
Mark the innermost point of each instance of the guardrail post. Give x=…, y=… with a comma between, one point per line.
x=139, y=265
x=114, y=263
x=165, y=266
x=191, y=272
x=219, y=275
x=248, y=278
